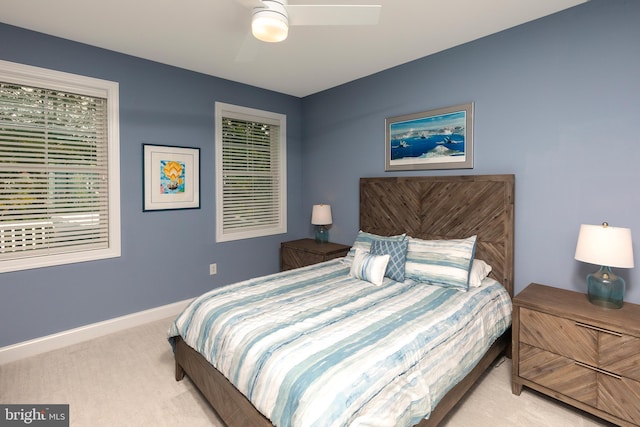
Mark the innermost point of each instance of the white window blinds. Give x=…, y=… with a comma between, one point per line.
x=250, y=173
x=54, y=175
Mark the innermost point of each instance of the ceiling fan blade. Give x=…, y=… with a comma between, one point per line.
x=333, y=14
x=248, y=49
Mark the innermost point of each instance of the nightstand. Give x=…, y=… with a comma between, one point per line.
x=299, y=253
x=579, y=353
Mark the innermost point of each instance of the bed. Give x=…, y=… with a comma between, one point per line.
x=443, y=208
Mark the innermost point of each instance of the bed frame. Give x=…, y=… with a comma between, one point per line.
x=440, y=207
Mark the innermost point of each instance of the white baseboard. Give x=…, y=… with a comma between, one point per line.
x=84, y=333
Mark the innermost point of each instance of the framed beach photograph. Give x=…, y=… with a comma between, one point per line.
x=171, y=178
x=436, y=139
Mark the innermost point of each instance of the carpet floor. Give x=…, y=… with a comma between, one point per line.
x=127, y=379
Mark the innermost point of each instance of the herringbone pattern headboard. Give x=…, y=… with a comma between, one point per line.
x=446, y=207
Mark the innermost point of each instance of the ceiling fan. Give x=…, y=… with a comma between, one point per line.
x=271, y=18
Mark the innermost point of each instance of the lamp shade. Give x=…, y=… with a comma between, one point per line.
x=604, y=245
x=321, y=215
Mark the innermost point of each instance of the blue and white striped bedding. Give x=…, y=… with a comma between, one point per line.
x=315, y=347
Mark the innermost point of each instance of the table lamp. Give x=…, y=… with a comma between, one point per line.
x=608, y=247
x=321, y=217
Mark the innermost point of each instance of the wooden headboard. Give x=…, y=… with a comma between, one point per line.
x=446, y=207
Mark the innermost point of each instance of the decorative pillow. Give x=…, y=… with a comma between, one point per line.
x=363, y=241
x=397, y=251
x=369, y=267
x=441, y=262
x=479, y=271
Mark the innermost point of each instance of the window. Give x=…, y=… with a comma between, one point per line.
x=59, y=168
x=250, y=173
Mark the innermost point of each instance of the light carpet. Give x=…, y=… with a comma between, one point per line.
x=127, y=379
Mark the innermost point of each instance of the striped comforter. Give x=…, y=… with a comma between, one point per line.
x=315, y=347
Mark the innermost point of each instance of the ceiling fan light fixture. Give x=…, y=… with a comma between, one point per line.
x=270, y=25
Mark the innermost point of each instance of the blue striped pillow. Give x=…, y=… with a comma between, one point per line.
x=369, y=267
x=363, y=241
x=441, y=262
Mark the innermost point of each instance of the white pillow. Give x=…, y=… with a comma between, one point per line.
x=479, y=271
x=369, y=267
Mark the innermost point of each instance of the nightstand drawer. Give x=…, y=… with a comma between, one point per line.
x=303, y=252
x=619, y=396
x=558, y=373
x=620, y=354
x=559, y=335
x=294, y=258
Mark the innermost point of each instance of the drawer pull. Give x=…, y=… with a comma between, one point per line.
x=595, y=328
x=602, y=371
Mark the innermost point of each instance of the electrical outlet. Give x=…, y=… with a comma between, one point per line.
x=213, y=269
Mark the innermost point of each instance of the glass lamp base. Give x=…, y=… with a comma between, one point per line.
x=322, y=234
x=605, y=289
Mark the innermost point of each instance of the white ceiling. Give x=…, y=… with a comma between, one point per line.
x=213, y=36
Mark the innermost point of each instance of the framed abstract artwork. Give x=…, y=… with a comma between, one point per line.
x=436, y=139
x=171, y=178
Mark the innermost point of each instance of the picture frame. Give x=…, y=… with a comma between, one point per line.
x=435, y=139
x=171, y=177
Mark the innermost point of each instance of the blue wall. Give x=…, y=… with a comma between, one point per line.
x=555, y=104
x=165, y=255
